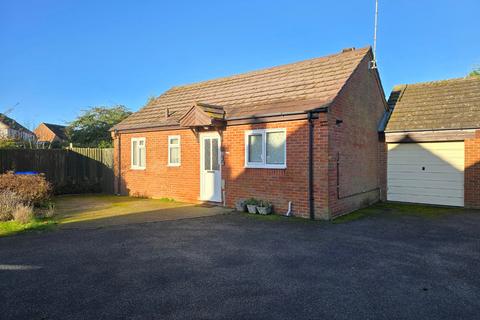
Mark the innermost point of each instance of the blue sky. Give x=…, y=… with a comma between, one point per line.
x=59, y=57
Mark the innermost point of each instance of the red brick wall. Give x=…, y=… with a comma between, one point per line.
x=472, y=171
x=44, y=134
x=362, y=159
x=276, y=185
x=158, y=179
x=321, y=167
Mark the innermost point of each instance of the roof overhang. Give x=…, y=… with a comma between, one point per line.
x=203, y=115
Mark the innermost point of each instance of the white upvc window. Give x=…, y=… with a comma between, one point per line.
x=139, y=155
x=266, y=148
x=174, y=151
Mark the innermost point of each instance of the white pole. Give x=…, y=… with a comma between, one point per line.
x=374, y=62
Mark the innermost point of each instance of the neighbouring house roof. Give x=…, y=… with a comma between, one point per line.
x=12, y=124
x=314, y=83
x=57, y=129
x=439, y=105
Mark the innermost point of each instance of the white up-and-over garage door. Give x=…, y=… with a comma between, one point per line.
x=426, y=173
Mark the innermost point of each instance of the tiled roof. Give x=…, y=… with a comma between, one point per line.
x=58, y=130
x=12, y=124
x=280, y=89
x=448, y=104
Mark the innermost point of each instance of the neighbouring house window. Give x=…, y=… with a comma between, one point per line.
x=174, y=151
x=266, y=148
x=139, y=155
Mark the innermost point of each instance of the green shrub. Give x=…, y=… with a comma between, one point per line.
x=32, y=190
x=251, y=202
x=264, y=204
x=8, y=144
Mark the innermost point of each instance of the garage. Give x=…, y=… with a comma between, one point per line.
x=433, y=143
x=430, y=172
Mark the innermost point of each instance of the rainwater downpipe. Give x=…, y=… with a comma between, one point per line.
x=119, y=163
x=311, y=199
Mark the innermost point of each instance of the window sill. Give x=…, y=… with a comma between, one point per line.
x=174, y=165
x=279, y=167
x=138, y=168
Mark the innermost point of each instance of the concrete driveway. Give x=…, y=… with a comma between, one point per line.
x=97, y=211
x=383, y=266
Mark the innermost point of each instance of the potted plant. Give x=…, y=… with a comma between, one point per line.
x=251, y=205
x=240, y=205
x=264, y=207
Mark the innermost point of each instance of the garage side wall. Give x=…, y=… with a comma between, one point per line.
x=357, y=152
x=472, y=171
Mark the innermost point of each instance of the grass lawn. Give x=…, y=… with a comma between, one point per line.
x=12, y=227
x=398, y=209
x=278, y=217
x=383, y=208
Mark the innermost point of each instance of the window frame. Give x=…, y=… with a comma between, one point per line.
x=169, y=164
x=138, y=167
x=264, y=164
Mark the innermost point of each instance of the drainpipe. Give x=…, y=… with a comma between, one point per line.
x=311, y=199
x=119, y=163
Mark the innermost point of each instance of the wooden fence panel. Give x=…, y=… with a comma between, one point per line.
x=72, y=170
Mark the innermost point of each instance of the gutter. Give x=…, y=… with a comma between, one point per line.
x=278, y=114
x=431, y=130
x=311, y=200
x=384, y=121
x=153, y=127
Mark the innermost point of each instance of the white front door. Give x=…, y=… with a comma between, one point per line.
x=210, y=167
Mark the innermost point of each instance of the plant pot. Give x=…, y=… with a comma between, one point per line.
x=240, y=206
x=264, y=210
x=252, y=208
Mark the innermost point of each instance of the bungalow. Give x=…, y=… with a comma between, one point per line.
x=11, y=129
x=433, y=141
x=304, y=134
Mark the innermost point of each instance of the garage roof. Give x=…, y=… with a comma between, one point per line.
x=288, y=88
x=439, y=105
